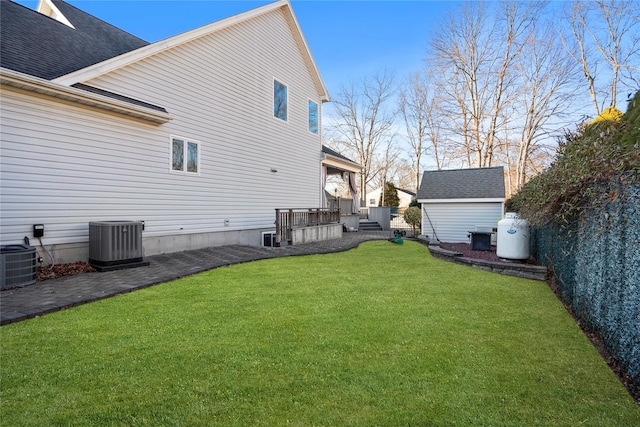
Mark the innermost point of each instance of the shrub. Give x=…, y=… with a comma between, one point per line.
x=413, y=217
x=611, y=114
x=587, y=157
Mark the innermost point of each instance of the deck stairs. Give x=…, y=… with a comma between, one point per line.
x=369, y=226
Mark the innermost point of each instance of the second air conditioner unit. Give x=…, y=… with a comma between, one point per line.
x=115, y=245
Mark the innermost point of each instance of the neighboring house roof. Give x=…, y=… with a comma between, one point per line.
x=478, y=183
x=379, y=190
x=411, y=193
x=41, y=46
x=405, y=196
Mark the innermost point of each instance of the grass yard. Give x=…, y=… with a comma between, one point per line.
x=380, y=335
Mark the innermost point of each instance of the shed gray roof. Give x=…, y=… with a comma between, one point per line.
x=34, y=44
x=478, y=183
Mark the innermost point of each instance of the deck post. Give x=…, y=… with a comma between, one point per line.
x=278, y=228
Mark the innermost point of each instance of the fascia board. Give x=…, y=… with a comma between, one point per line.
x=478, y=200
x=324, y=95
x=341, y=164
x=46, y=87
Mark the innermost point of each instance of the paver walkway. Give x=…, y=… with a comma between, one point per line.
x=57, y=294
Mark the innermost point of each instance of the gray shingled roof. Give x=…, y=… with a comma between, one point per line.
x=118, y=96
x=35, y=44
x=479, y=183
x=334, y=153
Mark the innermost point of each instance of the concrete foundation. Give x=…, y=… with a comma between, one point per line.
x=155, y=245
x=316, y=233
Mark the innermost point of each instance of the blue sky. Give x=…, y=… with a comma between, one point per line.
x=348, y=39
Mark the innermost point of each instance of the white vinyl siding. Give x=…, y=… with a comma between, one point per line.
x=64, y=164
x=453, y=221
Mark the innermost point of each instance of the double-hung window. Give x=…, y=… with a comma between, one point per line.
x=185, y=155
x=280, y=100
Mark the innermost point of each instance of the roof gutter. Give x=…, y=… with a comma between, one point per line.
x=469, y=200
x=79, y=96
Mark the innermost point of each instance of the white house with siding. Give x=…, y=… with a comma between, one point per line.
x=405, y=197
x=201, y=136
x=455, y=202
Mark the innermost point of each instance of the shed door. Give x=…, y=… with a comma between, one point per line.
x=451, y=222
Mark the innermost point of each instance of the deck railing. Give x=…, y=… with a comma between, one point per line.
x=292, y=218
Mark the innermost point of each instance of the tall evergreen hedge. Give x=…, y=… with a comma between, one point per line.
x=585, y=209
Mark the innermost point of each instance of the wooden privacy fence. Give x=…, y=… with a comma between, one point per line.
x=292, y=218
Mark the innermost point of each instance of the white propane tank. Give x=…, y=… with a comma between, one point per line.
x=513, y=237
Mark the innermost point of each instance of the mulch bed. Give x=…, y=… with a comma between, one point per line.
x=61, y=270
x=465, y=250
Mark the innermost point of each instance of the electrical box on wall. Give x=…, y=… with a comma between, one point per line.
x=38, y=230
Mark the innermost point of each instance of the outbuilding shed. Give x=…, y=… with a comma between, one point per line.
x=455, y=202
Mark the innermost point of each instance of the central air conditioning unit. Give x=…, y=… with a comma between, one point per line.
x=114, y=245
x=17, y=266
x=269, y=238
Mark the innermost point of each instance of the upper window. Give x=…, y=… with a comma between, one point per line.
x=313, y=117
x=279, y=100
x=185, y=155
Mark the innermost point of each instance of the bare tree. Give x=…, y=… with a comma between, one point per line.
x=546, y=90
x=385, y=164
x=415, y=106
x=517, y=18
x=472, y=57
x=403, y=174
x=605, y=32
x=461, y=51
x=364, y=121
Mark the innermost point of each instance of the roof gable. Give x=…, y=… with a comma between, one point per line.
x=47, y=47
x=114, y=63
x=477, y=183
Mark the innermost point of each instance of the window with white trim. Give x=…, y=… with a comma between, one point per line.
x=185, y=155
x=280, y=100
x=313, y=117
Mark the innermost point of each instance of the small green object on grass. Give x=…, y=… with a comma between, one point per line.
x=397, y=238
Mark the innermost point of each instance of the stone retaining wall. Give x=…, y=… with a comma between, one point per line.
x=516, y=269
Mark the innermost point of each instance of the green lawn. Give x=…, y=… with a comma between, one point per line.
x=380, y=335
